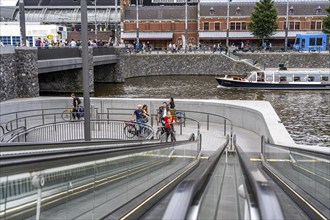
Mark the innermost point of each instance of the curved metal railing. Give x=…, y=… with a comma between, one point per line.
x=74, y=130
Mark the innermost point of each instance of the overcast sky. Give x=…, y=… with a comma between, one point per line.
x=13, y=2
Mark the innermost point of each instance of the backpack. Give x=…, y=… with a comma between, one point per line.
x=79, y=101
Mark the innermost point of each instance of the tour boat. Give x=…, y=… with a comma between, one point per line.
x=279, y=79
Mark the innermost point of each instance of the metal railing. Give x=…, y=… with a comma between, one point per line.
x=74, y=130
x=119, y=111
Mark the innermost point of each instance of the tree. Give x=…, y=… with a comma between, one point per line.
x=326, y=22
x=263, y=19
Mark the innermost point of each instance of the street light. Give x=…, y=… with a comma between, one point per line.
x=116, y=24
x=227, y=34
x=137, y=24
x=95, y=21
x=85, y=67
x=186, y=26
x=286, y=26
x=22, y=22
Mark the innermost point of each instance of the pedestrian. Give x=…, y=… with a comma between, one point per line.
x=169, y=128
x=137, y=117
x=171, y=105
x=75, y=106
x=162, y=112
x=145, y=117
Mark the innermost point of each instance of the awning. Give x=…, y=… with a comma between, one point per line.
x=148, y=35
x=207, y=35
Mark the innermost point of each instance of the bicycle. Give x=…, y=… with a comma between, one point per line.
x=67, y=114
x=131, y=130
x=161, y=134
x=179, y=117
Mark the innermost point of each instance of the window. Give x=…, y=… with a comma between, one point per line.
x=311, y=79
x=282, y=78
x=324, y=78
x=297, y=25
x=217, y=26
x=316, y=25
x=16, y=41
x=318, y=41
x=296, y=79
x=313, y=25
x=232, y=26
x=312, y=42
x=243, y=26
x=291, y=25
x=206, y=26
x=5, y=40
x=238, y=26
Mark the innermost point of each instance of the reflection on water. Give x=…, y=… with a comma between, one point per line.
x=305, y=114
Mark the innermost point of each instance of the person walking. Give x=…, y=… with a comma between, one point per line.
x=169, y=128
x=172, y=107
x=75, y=106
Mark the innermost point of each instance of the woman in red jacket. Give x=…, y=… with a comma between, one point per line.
x=169, y=128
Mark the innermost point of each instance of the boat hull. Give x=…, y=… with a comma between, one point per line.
x=263, y=85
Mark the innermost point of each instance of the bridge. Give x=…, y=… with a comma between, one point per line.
x=231, y=160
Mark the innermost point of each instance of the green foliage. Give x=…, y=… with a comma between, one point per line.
x=263, y=19
x=326, y=22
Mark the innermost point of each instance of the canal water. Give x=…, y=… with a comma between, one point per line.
x=305, y=114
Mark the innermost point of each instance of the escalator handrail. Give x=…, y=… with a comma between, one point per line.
x=267, y=201
x=24, y=164
x=323, y=152
x=182, y=198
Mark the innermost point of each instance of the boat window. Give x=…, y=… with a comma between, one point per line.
x=269, y=78
x=296, y=79
x=324, y=78
x=311, y=79
x=253, y=77
x=282, y=78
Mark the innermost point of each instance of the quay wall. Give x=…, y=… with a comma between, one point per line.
x=18, y=73
x=256, y=116
x=291, y=60
x=182, y=64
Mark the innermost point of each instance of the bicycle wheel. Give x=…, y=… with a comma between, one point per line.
x=67, y=115
x=180, y=117
x=130, y=131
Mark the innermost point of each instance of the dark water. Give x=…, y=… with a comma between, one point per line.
x=305, y=114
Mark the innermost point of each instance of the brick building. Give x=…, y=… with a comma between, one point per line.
x=207, y=21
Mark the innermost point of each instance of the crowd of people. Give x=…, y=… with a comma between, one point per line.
x=69, y=43
x=165, y=116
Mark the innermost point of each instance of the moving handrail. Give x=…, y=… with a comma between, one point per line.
x=29, y=163
x=303, y=174
x=258, y=186
x=179, y=204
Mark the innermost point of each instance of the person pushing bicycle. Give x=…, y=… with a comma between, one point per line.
x=137, y=116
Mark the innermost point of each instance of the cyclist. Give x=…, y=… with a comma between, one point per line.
x=137, y=116
x=75, y=103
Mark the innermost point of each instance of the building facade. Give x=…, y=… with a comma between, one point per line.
x=207, y=22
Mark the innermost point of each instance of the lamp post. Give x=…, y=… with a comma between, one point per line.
x=186, y=26
x=116, y=24
x=286, y=26
x=85, y=68
x=22, y=22
x=137, y=24
x=94, y=2
x=227, y=34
